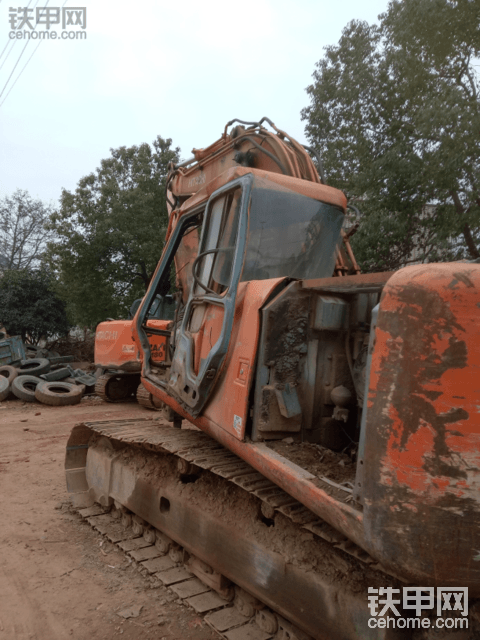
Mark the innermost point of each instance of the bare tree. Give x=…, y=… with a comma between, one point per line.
x=23, y=233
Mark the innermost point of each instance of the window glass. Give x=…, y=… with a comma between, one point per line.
x=290, y=235
x=181, y=269
x=216, y=268
x=162, y=308
x=223, y=262
x=214, y=222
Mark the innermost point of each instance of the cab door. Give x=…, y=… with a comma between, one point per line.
x=202, y=340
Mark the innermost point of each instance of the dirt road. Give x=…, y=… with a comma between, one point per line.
x=58, y=580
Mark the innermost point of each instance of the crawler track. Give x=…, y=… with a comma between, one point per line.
x=115, y=387
x=293, y=574
x=146, y=399
x=198, y=449
x=236, y=619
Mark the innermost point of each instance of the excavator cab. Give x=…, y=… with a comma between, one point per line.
x=253, y=229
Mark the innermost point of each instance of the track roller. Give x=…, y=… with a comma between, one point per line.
x=162, y=542
x=138, y=525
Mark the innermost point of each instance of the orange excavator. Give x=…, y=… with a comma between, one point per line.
x=329, y=448
x=117, y=360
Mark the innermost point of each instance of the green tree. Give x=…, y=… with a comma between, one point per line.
x=395, y=114
x=30, y=307
x=110, y=232
x=23, y=232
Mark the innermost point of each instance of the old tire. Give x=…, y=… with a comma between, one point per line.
x=23, y=387
x=8, y=372
x=34, y=366
x=4, y=388
x=58, y=394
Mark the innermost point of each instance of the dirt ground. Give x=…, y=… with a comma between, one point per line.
x=58, y=580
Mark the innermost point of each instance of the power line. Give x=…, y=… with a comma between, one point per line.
x=15, y=66
x=3, y=51
x=14, y=41
x=23, y=69
x=18, y=60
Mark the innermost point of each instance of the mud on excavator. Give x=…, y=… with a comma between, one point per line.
x=330, y=442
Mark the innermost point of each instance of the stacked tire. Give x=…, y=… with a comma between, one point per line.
x=33, y=366
x=24, y=387
x=59, y=394
x=7, y=376
x=23, y=382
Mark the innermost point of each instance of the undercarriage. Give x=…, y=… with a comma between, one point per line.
x=188, y=509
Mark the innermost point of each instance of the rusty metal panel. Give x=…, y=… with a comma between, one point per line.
x=360, y=471
x=11, y=350
x=422, y=440
x=362, y=283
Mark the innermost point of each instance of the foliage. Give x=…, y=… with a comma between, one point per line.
x=110, y=232
x=23, y=234
x=395, y=113
x=30, y=307
x=78, y=343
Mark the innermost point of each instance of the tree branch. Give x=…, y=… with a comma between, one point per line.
x=467, y=233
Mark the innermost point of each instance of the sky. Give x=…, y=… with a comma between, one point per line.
x=181, y=70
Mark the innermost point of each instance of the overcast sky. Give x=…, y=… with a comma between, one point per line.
x=178, y=69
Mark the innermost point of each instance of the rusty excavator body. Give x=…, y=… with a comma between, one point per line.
x=331, y=419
